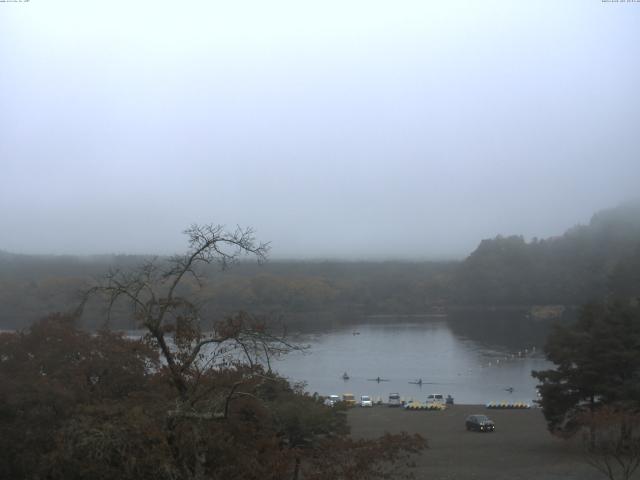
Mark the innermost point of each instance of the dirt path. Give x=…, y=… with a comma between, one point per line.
x=520, y=448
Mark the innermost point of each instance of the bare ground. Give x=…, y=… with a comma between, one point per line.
x=520, y=448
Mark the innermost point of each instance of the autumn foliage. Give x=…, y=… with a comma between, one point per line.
x=76, y=405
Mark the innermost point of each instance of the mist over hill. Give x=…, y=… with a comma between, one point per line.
x=588, y=262
x=574, y=268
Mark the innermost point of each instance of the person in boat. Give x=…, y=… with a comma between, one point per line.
x=345, y=376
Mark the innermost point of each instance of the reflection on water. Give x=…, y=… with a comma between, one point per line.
x=447, y=361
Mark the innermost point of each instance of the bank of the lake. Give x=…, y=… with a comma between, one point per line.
x=520, y=448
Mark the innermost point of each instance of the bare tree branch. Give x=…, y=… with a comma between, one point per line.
x=153, y=293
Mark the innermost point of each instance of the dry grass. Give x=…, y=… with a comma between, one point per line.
x=520, y=448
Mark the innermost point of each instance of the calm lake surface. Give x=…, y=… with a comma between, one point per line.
x=471, y=363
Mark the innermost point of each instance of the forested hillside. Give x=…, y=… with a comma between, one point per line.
x=585, y=263
x=574, y=268
x=31, y=286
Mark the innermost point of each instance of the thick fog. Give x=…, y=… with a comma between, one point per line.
x=363, y=129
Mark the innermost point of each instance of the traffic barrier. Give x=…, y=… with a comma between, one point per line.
x=508, y=405
x=425, y=406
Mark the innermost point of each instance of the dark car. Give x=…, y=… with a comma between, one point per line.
x=480, y=423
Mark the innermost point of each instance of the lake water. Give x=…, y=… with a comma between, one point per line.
x=450, y=359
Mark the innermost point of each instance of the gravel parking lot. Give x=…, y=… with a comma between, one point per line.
x=520, y=448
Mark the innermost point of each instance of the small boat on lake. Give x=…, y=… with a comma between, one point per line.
x=378, y=379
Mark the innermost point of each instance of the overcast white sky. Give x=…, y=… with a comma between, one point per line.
x=349, y=129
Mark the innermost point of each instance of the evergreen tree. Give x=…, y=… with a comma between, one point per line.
x=597, y=363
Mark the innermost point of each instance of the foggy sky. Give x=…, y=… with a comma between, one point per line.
x=346, y=129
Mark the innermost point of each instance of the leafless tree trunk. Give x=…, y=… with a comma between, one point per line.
x=612, y=443
x=153, y=293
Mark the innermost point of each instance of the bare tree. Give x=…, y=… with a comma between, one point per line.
x=611, y=441
x=158, y=299
x=209, y=369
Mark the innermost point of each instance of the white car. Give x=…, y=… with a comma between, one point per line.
x=331, y=400
x=435, y=398
x=365, y=401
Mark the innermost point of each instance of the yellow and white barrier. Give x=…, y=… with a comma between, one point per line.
x=508, y=405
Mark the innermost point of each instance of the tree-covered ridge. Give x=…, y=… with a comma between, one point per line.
x=571, y=269
x=32, y=286
x=574, y=268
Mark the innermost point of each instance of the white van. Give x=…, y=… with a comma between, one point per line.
x=365, y=401
x=435, y=398
x=394, y=400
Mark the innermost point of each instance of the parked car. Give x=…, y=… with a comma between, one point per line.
x=331, y=400
x=365, y=401
x=435, y=398
x=349, y=399
x=480, y=423
x=394, y=400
